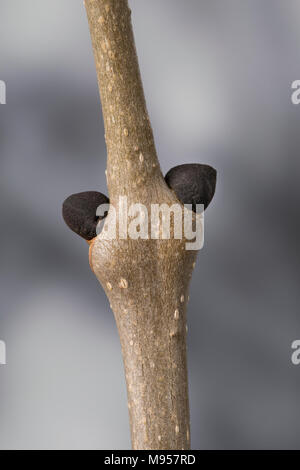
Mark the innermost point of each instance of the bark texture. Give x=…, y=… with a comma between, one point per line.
x=146, y=281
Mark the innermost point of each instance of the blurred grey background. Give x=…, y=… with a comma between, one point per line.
x=217, y=76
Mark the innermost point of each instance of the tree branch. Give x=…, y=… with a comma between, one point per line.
x=131, y=151
x=146, y=281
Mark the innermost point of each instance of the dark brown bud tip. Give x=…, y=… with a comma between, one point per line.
x=79, y=213
x=193, y=183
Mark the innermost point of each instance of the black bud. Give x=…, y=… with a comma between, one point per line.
x=193, y=183
x=79, y=212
